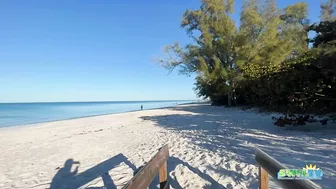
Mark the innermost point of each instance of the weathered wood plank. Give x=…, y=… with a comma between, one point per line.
x=263, y=178
x=163, y=175
x=146, y=175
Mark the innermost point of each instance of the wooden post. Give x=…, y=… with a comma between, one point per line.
x=163, y=175
x=145, y=176
x=263, y=178
x=271, y=166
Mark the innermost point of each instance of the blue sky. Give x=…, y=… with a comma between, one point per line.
x=92, y=50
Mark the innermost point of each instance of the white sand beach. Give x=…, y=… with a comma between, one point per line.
x=210, y=147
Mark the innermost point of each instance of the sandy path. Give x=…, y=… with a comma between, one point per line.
x=210, y=147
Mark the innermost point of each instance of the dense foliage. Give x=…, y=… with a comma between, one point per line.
x=304, y=84
x=264, y=61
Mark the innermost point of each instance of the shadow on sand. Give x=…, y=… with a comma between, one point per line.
x=223, y=131
x=64, y=178
x=232, y=130
x=172, y=163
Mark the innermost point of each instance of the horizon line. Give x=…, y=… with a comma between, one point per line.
x=95, y=101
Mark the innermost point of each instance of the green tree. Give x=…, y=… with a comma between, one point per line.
x=268, y=36
x=328, y=10
x=306, y=83
x=296, y=25
x=326, y=34
x=261, y=43
x=223, y=54
x=213, y=54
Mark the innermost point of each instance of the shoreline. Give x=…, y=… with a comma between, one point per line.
x=208, y=147
x=95, y=101
x=89, y=116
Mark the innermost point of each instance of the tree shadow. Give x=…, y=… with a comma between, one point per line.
x=64, y=178
x=234, y=131
x=172, y=163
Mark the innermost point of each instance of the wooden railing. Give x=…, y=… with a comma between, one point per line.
x=267, y=166
x=158, y=164
x=270, y=166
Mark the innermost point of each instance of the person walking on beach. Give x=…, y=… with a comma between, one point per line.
x=141, y=107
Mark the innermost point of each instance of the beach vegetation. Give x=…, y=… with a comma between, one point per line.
x=265, y=60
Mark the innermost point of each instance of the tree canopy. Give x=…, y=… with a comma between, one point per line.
x=263, y=60
x=328, y=10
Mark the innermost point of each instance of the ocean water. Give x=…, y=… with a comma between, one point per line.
x=13, y=114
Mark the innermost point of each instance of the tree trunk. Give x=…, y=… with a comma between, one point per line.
x=234, y=98
x=229, y=99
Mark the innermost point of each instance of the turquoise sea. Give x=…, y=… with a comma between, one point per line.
x=12, y=114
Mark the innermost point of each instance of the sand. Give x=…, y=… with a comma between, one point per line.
x=210, y=147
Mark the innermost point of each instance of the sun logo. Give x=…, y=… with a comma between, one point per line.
x=311, y=167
